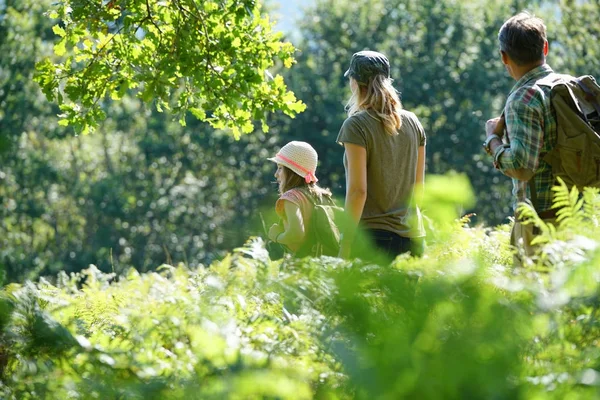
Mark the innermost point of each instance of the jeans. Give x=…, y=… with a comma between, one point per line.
x=382, y=247
x=521, y=236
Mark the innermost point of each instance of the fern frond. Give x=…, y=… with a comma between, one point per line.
x=527, y=213
x=561, y=194
x=570, y=205
x=573, y=195
x=591, y=205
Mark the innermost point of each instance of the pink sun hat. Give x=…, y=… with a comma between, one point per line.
x=300, y=157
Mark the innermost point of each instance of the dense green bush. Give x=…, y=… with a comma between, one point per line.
x=457, y=323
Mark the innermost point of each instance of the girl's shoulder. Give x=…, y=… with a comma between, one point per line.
x=304, y=196
x=295, y=196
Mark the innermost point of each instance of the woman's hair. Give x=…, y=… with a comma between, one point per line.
x=291, y=180
x=379, y=96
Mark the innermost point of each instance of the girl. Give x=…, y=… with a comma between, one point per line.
x=384, y=159
x=296, y=167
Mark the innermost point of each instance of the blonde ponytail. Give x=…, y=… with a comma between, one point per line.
x=380, y=97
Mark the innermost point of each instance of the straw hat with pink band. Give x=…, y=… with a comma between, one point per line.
x=300, y=157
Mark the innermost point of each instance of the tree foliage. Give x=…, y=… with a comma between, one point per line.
x=120, y=199
x=445, y=62
x=211, y=58
x=574, y=37
x=26, y=36
x=143, y=188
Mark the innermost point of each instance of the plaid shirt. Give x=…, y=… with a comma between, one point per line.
x=530, y=134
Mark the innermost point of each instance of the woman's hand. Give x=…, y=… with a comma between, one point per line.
x=344, y=251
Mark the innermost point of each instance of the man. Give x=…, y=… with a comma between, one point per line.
x=527, y=121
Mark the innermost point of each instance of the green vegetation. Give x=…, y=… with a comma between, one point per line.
x=456, y=324
x=143, y=189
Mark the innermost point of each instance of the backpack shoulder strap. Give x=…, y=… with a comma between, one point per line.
x=568, y=82
x=551, y=80
x=554, y=79
x=591, y=96
x=328, y=200
x=325, y=199
x=306, y=192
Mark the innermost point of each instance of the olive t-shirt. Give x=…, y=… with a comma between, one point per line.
x=391, y=171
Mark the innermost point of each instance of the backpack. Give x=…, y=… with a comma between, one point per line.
x=576, y=103
x=323, y=236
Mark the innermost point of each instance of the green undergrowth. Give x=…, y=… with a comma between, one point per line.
x=459, y=323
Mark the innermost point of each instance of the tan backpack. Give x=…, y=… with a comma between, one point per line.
x=576, y=156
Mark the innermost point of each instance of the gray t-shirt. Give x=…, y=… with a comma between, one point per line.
x=391, y=171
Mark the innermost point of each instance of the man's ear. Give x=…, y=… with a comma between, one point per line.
x=504, y=57
x=545, y=48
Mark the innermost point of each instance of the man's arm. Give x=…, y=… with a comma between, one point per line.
x=522, y=174
x=519, y=159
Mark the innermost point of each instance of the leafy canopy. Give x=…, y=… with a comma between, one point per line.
x=210, y=58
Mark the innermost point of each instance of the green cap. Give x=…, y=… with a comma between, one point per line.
x=367, y=64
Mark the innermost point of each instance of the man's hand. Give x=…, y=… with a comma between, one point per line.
x=274, y=230
x=495, y=126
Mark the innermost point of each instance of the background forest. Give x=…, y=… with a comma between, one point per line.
x=143, y=189
x=131, y=257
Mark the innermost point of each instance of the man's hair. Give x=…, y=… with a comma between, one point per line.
x=522, y=38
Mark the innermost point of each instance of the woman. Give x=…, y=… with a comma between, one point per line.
x=384, y=160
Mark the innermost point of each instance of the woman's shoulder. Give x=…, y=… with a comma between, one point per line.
x=411, y=118
x=362, y=122
x=358, y=118
x=354, y=130
x=365, y=116
x=409, y=115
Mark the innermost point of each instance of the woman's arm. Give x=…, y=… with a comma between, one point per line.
x=356, y=178
x=356, y=192
x=420, y=181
